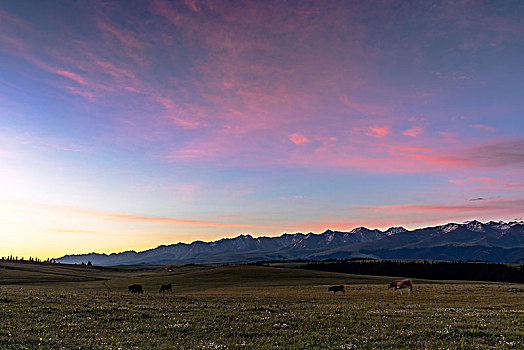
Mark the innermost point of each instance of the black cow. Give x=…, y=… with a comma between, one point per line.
x=165, y=288
x=336, y=289
x=136, y=288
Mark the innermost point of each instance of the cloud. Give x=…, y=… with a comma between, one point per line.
x=447, y=134
x=70, y=75
x=504, y=182
x=458, y=181
x=377, y=132
x=492, y=206
x=298, y=139
x=235, y=75
x=503, y=153
x=370, y=109
x=118, y=216
x=454, y=75
x=413, y=131
x=193, y=5
x=126, y=38
x=410, y=149
x=474, y=180
x=483, y=127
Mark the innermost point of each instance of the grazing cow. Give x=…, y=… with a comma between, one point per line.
x=399, y=284
x=336, y=289
x=136, y=288
x=165, y=288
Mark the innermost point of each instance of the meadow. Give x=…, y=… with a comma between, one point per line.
x=53, y=306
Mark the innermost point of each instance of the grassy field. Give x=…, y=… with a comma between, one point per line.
x=248, y=307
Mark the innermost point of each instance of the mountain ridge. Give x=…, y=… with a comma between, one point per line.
x=472, y=240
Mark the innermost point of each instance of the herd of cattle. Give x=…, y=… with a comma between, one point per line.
x=396, y=285
x=137, y=288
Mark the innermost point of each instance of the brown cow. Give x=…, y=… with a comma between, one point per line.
x=165, y=288
x=399, y=284
x=336, y=289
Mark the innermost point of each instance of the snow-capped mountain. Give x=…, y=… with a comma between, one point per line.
x=491, y=241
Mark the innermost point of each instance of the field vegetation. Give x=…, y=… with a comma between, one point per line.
x=248, y=307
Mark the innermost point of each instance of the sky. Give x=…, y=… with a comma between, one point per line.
x=129, y=124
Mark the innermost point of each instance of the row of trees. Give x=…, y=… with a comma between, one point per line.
x=31, y=259
x=438, y=270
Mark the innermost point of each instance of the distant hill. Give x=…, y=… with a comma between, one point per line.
x=491, y=241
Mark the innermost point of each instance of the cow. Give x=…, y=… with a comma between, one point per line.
x=136, y=288
x=399, y=284
x=165, y=288
x=336, y=289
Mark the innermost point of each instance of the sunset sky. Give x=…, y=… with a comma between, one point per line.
x=130, y=124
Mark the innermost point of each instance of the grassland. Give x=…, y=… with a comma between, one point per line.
x=248, y=307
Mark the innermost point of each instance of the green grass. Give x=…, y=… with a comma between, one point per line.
x=250, y=307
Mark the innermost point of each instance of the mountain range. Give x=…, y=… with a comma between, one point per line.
x=491, y=241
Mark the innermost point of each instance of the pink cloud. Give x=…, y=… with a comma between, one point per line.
x=118, y=72
x=377, y=132
x=346, y=153
x=501, y=153
x=483, y=127
x=178, y=114
x=364, y=108
x=486, y=206
x=15, y=44
x=473, y=179
x=80, y=92
x=413, y=131
x=117, y=216
x=298, y=139
x=447, y=134
x=410, y=149
x=458, y=181
x=251, y=86
x=237, y=91
x=125, y=37
x=500, y=183
x=445, y=162
x=193, y=5
x=70, y=75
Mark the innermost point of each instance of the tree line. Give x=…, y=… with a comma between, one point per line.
x=437, y=270
x=13, y=258
x=30, y=259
